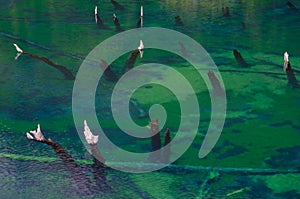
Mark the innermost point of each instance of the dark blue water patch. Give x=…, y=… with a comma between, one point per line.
x=38, y=108
x=280, y=124
x=262, y=115
x=232, y=121
x=236, y=131
x=148, y=86
x=286, y=123
x=289, y=194
x=297, y=128
x=287, y=158
x=223, y=61
x=166, y=60
x=257, y=188
x=104, y=112
x=124, y=140
x=136, y=110
x=227, y=149
x=104, y=109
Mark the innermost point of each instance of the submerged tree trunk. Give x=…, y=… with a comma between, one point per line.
x=131, y=60
x=117, y=5
x=167, y=147
x=117, y=24
x=82, y=182
x=238, y=57
x=66, y=72
x=292, y=81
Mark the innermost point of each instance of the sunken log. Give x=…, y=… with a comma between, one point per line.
x=109, y=75
x=244, y=26
x=66, y=72
x=225, y=11
x=238, y=57
x=132, y=58
x=178, y=21
x=98, y=20
x=92, y=140
x=155, y=155
x=140, y=21
x=292, y=81
x=155, y=135
x=98, y=168
x=217, y=88
x=117, y=5
x=183, y=50
x=167, y=139
x=167, y=147
x=117, y=24
x=82, y=182
x=291, y=5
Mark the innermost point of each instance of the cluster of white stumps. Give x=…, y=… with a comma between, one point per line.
x=89, y=136
x=20, y=51
x=141, y=47
x=114, y=15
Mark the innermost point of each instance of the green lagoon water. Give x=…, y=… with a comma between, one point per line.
x=262, y=127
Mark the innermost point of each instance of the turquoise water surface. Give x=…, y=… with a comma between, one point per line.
x=258, y=153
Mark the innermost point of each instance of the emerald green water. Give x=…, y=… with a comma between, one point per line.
x=262, y=129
